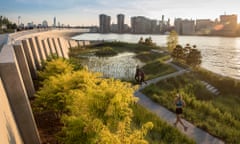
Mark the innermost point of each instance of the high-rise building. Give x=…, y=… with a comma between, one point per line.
x=120, y=23
x=188, y=27
x=178, y=25
x=204, y=26
x=184, y=27
x=229, y=23
x=104, y=23
x=154, y=26
x=54, y=22
x=140, y=25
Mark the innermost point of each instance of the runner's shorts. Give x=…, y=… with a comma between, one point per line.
x=179, y=111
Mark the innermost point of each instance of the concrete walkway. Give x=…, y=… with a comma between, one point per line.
x=200, y=136
x=3, y=40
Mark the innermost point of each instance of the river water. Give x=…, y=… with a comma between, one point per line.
x=219, y=54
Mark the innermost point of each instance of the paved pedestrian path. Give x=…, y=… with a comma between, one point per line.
x=200, y=136
x=3, y=40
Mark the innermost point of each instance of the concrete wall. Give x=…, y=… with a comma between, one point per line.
x=20, y=58
x=9, y=133
x=17, y=96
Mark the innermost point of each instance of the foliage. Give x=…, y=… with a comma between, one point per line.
x=226, y=85
x=188, y=55
x=172, y=41
x=200, y=105
x=106, y=51
x=157, y=68
x=161, y=132
x=123, y=46
x=7, y=23
x=194, y=57
x=53, y=67
x=178, y=53
x=148, y=41
x=92, y=109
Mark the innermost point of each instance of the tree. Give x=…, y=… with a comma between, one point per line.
x=178, y=53
x=194, y=57
x=172, y=41
x=189, y=55
x=141, y=40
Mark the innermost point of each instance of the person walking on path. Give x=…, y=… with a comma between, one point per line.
x=137, y=76
x=179, y=103
x=140, y=76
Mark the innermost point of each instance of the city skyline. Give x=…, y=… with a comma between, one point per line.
x=83, y=12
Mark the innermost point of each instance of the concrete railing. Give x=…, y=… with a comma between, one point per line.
x=20, y=58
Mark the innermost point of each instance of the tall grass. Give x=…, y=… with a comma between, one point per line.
x=201, y=110
x=161, y=133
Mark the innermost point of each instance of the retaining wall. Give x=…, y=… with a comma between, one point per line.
x=20, y=59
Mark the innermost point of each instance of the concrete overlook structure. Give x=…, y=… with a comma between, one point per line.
x=20, y=57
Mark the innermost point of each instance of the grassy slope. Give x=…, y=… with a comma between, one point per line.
x=211, y=113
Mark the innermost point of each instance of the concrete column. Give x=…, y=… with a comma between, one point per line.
x=8, y=127
x=58, y=47
x=39, y=49
x=46, y=49
x=35, y=53
x=25, y=72
x=69, y=43
x=61, y=48
x=84, y=43
x=55, y=47
x=50, y=44
x=30, y=60
x=65, y=47
x=80, y=43
x=17, y=96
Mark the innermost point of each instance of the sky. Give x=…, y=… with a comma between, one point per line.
x=86, y=12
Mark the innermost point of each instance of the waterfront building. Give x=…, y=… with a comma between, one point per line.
x=154, y=27
x=45, y=24
x=229, y=23
x=188, y=27
x=204, y=26
x=178, y=25
x=127, y=29
x=184, y=27
x=120, y=23
x=114, y=28
x=30, y=25
x=164, y=26
x=104, y=23
x=140, y=25
x=54, y=22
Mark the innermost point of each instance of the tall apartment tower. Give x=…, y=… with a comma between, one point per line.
x=120, y=23
x=188, y=27
x=54, y=22
x=140, y=25
x=178, y=25
x=104, y=23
